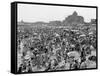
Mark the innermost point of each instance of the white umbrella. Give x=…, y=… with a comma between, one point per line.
x=73, y=53
x=82, y=35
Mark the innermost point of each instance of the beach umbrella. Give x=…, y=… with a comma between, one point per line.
x=73, y=53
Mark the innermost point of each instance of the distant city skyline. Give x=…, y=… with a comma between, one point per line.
x=46, y=13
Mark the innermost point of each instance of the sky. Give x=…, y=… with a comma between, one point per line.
x=46, y=13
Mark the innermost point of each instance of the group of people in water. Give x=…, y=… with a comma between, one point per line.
x=52, y=51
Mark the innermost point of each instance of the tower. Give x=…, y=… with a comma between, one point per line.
x=74, y=13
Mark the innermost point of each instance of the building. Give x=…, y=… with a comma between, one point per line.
x=73, y=19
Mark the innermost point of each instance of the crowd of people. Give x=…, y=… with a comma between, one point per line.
x=56, y=49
